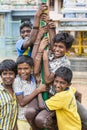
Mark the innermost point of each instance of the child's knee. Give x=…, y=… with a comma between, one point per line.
x=42, y=122
x=39, y=121
x=30, y=113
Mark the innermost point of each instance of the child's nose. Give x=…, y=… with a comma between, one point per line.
x=26, y=34
x=58, y=84
x=8, y=75
x=22, y=70
x=57, y=48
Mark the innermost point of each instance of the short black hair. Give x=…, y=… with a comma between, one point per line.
x=25, y=59
x=25, y=24
x=65, y=73
x=8, y=64
x=64, y=37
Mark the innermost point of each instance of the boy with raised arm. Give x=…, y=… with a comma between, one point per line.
x=28, y=33
x=25, y=89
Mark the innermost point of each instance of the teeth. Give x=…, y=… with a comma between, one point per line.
x=57, y=53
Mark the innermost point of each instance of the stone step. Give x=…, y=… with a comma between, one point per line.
x=79, y=64
x=79, y=78
x=80, y=75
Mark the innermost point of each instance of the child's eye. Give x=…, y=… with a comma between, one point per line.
x=4, y=73
x=55, y=45
x=63, y=83
x=60, y=82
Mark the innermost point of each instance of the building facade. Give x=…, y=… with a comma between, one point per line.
x=69, y=15
x=12, y=13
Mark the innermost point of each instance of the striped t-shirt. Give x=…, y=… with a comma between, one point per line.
x=8, y=109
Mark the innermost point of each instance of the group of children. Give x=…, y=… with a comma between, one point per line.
x=21, y=103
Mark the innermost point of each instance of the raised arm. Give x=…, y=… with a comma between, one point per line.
x=49, y=77
x=41, y=32
x=29, y=41
x=37, y=62
x=51, y=27
x=52, y=31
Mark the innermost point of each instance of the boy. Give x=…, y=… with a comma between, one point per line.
x=62, y=42
x=64, y=102
x=28, y=34
x=8, y=103
x=25, y=89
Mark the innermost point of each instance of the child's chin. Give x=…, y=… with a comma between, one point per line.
x=57, y=91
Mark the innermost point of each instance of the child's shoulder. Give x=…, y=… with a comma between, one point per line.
x=73, y=89
x=32, y=78
x=17, y=80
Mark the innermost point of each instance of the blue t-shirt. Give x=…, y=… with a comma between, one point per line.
x=21, y=51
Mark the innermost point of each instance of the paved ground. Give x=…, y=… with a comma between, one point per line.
x=80, y=82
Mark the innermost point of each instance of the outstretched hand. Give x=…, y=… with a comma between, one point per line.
x=41, y=9
x=42, y=31
x=51, y=24
x=45, y=17
x=44, y=42
x=42, y=87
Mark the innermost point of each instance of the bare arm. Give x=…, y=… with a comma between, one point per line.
x=52, y=31
x=41, y=32
x=78, y=96
x=24, y=100
x=31, y=40
x=51, y=26
x=49, y=77
x=39, y=55
x=40, y=101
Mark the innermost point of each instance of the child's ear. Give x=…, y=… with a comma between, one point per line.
x=67, y=50
x=69, y=84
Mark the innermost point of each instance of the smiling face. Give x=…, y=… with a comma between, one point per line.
x=59, y=49
x=60, y=84
x=8, y=77
x=24, y=71
x=25, y=32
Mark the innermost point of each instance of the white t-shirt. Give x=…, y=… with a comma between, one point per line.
x=23, y=87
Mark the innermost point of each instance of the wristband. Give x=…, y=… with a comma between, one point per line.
x=38, y=59
x=53, y=28
x=34, y=27
x=36, y=43
x=39, y=52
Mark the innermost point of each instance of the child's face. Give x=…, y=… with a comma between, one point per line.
x=25, y=32
x=8, y=77
x=60, y=84
x=59, y=49
x=24, y=71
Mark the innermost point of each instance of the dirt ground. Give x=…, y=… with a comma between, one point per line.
x=80, y=82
